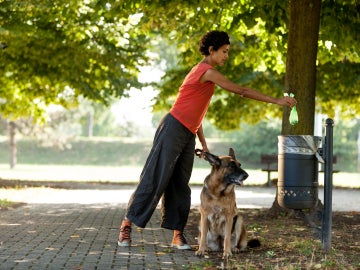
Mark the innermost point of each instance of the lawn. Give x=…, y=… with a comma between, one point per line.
x=130, y=174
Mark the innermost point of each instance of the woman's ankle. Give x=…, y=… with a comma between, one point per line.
x=126, y=221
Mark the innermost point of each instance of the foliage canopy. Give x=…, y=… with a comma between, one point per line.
x=59, y=50
x=55, y=51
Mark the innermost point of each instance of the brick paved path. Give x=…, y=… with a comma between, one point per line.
x=77, y=232
x=75, y=236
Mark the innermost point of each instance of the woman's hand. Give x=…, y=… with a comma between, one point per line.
x=205, y=149
x=286, y=101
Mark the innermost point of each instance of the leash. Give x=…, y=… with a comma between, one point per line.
x=199, y=152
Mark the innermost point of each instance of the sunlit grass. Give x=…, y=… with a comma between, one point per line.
x=4, y=203
x=130, y=174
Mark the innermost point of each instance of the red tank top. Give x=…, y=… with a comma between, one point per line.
x=193, y=98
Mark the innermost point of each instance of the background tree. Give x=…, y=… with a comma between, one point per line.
x=57, y=51
x=54, y=52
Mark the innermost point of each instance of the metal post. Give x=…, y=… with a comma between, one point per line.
x=328, y=182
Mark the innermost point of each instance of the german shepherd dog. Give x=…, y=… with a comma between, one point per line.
x=221, y=226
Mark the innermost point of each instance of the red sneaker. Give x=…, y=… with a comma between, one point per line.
x=179, y=241
x=124, y=239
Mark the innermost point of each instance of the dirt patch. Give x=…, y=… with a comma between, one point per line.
x=290, y=243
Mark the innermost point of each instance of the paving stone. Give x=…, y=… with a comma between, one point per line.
x=83, y=236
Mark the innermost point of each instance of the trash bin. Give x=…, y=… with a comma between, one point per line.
x=297, y=186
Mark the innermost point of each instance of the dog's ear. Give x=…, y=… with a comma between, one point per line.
x=212, y=159
x=232, y=153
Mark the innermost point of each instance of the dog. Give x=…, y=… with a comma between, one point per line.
x=221, y=226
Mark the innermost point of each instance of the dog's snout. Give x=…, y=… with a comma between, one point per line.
x=242, y=173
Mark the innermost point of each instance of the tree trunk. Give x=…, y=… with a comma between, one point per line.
x=12, y=144
x=301, y=64
x=358, y=142
x=301, y=69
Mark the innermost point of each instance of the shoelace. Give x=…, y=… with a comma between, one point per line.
x=125, y=232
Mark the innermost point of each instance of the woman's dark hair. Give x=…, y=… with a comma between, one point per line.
x=216, y=39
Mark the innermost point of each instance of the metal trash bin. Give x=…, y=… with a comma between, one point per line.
x=297, y=186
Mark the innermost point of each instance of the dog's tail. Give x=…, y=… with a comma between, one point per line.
x=253, y=243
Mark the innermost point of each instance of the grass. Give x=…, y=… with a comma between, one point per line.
x=130, y=174
x=91, y=152
x=4, y=203
x=100, y=151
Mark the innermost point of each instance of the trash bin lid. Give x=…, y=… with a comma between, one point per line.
x=298, y=144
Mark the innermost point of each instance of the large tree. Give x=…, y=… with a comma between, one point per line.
x=301, y=63
x=301, y=69
x=259, y=51
x=58, y=50
x=55, y=51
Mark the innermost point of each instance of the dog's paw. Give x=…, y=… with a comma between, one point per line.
x=226, y=254
x=200, y=253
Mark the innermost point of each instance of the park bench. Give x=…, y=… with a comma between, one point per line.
x=270, y=164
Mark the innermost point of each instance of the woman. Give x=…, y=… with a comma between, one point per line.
x=167, y=171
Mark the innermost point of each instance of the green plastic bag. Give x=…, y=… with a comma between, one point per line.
x=293, y=118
